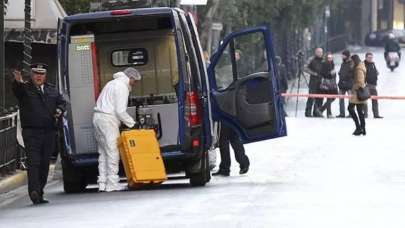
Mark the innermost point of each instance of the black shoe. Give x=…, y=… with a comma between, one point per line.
x=43, y=201
x=308, y=115
x=340, y=116
x=35, y=197
x=363, y=132
x=221, y=173
x=378, y=117
x=243, y=170
x=358, y=132
x=330, y=116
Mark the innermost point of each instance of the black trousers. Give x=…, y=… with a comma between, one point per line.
x=342, y=101
x=327, y=106
x=359, y=120
x=39, y=146
x=374, y=103
x=228, y=136
x=313, y=103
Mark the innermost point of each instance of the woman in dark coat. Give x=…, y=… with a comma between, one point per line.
x=328, y=84
x=359, y=82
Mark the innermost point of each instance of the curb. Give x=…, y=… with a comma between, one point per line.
x=13, y=182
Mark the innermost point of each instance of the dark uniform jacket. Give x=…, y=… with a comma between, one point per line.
x=37, y=109
x=372, y=73
x=346, y=75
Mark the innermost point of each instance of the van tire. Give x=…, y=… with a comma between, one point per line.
x=203, y=177
x=73, y=180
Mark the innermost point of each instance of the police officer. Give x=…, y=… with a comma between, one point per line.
x=228, y=136
x=40, y=108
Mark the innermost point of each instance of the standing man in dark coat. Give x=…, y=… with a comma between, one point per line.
x=229, y=136
x=314, y=69
x=371, y=80
x=41, y=106
x=346, y=76
x=282, y=79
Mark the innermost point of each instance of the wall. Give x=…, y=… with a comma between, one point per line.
x=399, y=15
x=45, y=14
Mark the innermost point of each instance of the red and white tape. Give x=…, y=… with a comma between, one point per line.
x=336, y=96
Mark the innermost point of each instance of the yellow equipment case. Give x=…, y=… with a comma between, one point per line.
x=140, y=154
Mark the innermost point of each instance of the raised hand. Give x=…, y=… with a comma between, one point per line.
x=18, y=76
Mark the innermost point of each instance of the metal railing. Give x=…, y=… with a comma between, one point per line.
x=9, y=154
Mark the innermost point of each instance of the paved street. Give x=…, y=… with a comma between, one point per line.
x=318, y=176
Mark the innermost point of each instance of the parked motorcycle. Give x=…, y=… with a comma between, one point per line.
x=392, y=60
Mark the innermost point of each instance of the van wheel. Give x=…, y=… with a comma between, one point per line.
x=73, y=180
x=204, y=176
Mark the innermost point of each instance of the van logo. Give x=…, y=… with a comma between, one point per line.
x=132, y=143
x=83, y=48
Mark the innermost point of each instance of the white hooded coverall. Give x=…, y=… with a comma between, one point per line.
x=110, y=110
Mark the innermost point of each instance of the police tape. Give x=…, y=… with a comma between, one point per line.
x=337, y=96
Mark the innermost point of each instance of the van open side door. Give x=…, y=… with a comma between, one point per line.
x=244, y=86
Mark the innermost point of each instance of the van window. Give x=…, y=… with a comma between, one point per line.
x=129, y=57
x=223, y=72
x=244, y=55
x=250, y=54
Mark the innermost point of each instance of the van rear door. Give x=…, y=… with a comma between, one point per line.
x=244, y=88
x=208, y=126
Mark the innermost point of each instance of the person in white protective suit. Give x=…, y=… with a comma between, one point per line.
x=110, y=111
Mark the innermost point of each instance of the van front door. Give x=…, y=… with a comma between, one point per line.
x=244, y=86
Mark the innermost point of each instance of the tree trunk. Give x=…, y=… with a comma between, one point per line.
x=27, y=40
x=205, y=31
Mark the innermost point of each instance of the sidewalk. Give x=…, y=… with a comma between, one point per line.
x=13, y=181
x=20, y=178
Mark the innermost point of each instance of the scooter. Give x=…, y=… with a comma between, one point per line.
x=392, y=60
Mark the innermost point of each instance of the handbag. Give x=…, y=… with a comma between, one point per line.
x=328, y=84
x=363, y=94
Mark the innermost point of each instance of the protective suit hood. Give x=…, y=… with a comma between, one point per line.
x=122, y=77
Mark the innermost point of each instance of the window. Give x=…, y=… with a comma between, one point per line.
x=129, y=57
x=250, y=54
x=224, y=74
x=245, y=55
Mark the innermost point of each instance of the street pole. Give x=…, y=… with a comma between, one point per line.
x=2, y=56
x=27, y=40
x=327, y=16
